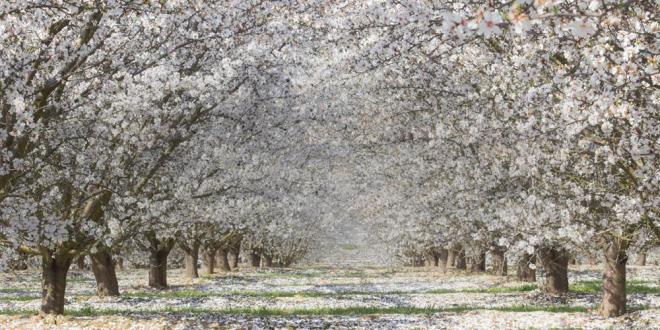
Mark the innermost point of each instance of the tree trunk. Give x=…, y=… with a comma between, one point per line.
x=614, y=279
x=499, y=261
x=80, y=263
x=641, y=259
x=104, y=272
x=451, y=258
x=555, y=263
x=460, y=259
x=233, y=255
x=255, y=259
x=209, y=260
x=267, y=261
x=430, y=259
x=442, y=258
x=478, y=262
x=525, y=272
x=53, y=276
x=221, y=260
x=191, y=259
x=119, y=265
x=158, y=267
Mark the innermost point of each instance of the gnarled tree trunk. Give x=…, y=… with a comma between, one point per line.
x=614, y=279
x=525, y=272
x=104, y=272
x=209, y=260
x=221, y=260
x=53, y=276
x=499, y=261
x=555, y=264
x=158, y=254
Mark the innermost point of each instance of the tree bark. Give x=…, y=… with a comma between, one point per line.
x=104, y=272
x=641, y=259
x=461, y=263
x=221, y=260
x=191, y=259
x=158, y=266
x=119, y=265
x=478, y=262
x=451, y=258
x=442, y=259
x=525, y=272
x=555, y=263
x=614, y=279
x=209, y=260
x=499, y=261
x=266, y=261
x=430, y=259
x=254, y=258
x=81, y=264
x=233, y=255
x=53, y=275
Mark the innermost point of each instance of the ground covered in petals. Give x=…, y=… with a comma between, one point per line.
x=327, y=297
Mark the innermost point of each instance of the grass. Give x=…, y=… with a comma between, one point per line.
x=323, y=311
x=348, y=247
x=592, y=287
x=14, y=290
x=312, y=294
x=596, y=286
x=20, y=298
x=522, y=288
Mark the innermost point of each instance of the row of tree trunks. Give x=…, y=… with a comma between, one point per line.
x=437, y=258
x=430, y=259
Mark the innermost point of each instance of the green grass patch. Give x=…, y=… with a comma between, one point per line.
x=14, y=290
x=89, y=311
x=19, y=298
x=596, y=286
x=312, y=294
x=348, y=247
x=522, y=288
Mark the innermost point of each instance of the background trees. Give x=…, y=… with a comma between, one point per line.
x=527, y=130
